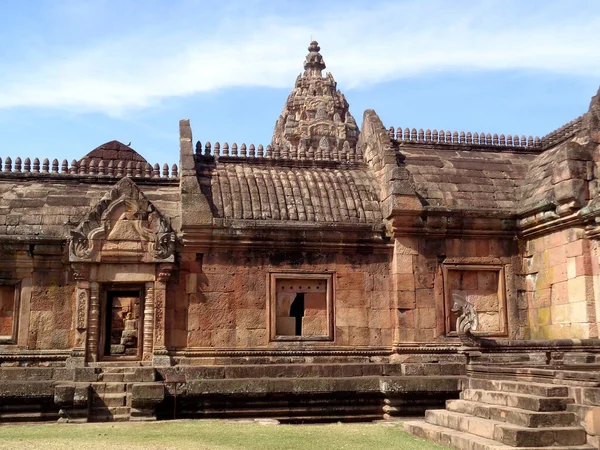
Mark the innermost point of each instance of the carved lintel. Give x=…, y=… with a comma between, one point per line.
x=467, y=321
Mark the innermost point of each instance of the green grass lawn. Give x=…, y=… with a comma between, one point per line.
x=208, y=435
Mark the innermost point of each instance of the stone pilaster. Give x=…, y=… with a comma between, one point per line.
x=81, y=274
x=161, y=356
x=148, y=322
x=93, y=332
x=81, y=322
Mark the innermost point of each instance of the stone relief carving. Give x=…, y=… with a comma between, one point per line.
x=467, y=320
x=81, y=310
x=123, y=215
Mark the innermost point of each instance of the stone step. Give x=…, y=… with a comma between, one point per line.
x=112, y=377
x=504, y=433
x=109, y=414
x=520, y=387
x=29, y=416
x=119, y=399
x=121, y=369
x=515, y=416
x=117, y=365
x=534, y=374
x=114, y=410
x=109, y=388
x=128, y=374
x=113, y=418
x=463, y=441
x=522, y=401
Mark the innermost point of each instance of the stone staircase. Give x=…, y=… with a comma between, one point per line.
x=111, y=396
x=504, y=414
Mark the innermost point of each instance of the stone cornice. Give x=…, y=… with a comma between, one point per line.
x=328, y=237
x=85, y=178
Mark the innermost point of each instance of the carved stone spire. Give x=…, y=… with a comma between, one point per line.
x=315, y=110
x=314, y=63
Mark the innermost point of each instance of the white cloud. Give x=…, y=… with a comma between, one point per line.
x=137, y=67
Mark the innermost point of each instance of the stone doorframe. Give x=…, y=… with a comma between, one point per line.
x=90, y=278
x=123, y=239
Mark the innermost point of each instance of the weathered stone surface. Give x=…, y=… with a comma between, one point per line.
x=147, y=394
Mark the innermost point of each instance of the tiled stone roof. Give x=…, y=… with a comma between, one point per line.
x=315, y=194
x=466, y=179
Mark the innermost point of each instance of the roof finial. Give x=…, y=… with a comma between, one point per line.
x=314, y=63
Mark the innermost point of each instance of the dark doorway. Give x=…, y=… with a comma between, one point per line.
x=122, y=320
x=297, y=311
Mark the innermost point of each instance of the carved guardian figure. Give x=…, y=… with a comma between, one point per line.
x=467, y=321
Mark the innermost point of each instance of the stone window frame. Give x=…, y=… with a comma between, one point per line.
x=329, y=277
x=13, y=338
x=502, y=297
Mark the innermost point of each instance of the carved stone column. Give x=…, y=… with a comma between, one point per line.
x=93, y=334
x=161, y=355
x=148, y=334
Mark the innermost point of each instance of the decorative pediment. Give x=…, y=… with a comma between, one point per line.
x=123, y=227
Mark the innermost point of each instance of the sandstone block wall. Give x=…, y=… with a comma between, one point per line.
x=421, y=294
x=228, y=302
x=560, y=274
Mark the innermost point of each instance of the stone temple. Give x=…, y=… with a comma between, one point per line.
x=336, y=274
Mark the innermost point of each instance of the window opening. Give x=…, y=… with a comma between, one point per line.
x=301, y=306
x=297, y=311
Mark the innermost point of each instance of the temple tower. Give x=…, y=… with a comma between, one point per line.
x=316, y=114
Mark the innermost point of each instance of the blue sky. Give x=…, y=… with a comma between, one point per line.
x=75, y=74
